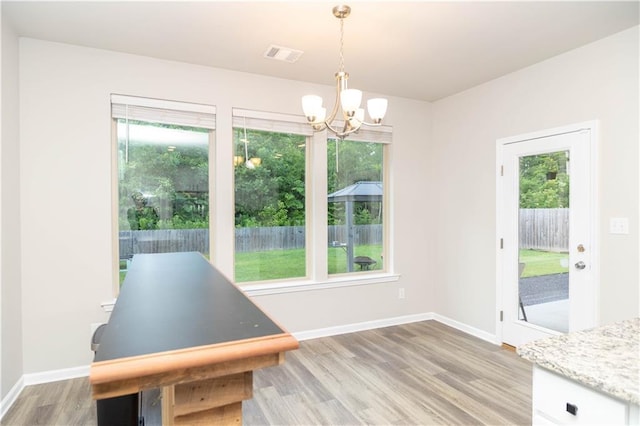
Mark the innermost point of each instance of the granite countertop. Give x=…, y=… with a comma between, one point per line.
x=606, y=358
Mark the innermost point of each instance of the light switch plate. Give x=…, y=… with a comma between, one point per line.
x=619, y=225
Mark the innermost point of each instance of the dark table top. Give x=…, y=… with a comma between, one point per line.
x=173, y=301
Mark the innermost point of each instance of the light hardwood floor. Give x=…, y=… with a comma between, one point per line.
x=414, y=374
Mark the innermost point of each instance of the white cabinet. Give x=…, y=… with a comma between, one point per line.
x=558, y=400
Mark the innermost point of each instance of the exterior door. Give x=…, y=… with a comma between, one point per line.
x=546, y=232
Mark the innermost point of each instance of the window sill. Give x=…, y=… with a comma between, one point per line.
x=308, y=285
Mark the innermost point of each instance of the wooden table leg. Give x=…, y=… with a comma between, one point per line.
x=167, y=405
x=211, y=401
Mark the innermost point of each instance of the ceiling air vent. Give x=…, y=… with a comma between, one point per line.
x=285, y=54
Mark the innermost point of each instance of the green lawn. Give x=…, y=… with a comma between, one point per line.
x=281, y=264
x=542, y=262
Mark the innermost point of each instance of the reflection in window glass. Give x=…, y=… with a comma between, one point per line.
x=269, y=171
x=355, y=206
x=163, y=189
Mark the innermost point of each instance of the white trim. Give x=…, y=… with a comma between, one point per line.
x=270, y=122
x=55, y=375
x=11, y=397
x=361, y=326
x=541, y=134
x=280, y=287
x=388, y=322
x=162, y=111
x=261, y=120
x=239, y=113
x=593, y=127
x=499, y=234
x=475, y=332
x=162, y=104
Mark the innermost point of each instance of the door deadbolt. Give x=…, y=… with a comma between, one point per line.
x=580, y=265
x=580, y=248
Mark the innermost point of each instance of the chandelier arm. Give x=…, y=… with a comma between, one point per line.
x=333, y=129
x=371, y=124
x=341, y=134
x=336, y=105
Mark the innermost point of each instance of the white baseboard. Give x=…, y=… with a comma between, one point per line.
x=55, y=375
x=11, y=397
x=360, y=326
x=38, y=378
x=476, y=332
x=387, y=322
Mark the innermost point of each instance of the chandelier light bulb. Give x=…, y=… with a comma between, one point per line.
x=377, y=108
x=312, y=106
x=350, y=100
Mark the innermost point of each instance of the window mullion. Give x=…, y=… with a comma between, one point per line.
x=317, y=207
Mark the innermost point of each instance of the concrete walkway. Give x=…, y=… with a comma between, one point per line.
x=546, y=300
x=544, y=288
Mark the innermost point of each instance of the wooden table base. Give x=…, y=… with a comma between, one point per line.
x=211, y=401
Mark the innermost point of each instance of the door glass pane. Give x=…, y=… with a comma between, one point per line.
x=163, y=189
x=544, y=240
x=269, y=173
x=355, y=206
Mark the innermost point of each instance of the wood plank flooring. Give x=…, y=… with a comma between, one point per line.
x=415, y=374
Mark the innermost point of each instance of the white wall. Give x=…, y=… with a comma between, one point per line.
x=10, y=256
x=598, y=81
x=65, y=186
x=443, y=157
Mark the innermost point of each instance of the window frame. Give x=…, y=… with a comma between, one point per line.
x=175, y=112
x=316, y=205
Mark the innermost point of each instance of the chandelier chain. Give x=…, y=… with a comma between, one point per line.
x=342, y=44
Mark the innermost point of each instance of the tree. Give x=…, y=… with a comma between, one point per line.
x=163, y=188
x=544, y=182
x=273, y=193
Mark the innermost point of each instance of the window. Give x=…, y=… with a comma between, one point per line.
x=305, y=207
x=162, y=176
x=270, y=197
x=355, y=216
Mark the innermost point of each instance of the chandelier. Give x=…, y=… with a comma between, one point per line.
x=347, y=100
x=250, y=163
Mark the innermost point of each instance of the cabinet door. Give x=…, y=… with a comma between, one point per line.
x=555, y=396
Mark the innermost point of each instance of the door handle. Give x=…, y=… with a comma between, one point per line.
x=580, y=265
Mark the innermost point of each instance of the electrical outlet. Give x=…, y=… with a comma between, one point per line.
x=401, y=293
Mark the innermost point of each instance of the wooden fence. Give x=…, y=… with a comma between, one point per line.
x=544, y=229
x=247, y=239
x=163, y=241
x=540, y=229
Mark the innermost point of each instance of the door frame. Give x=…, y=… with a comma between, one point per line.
x=593, y=127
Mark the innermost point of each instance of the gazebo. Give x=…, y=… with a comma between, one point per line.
x=370, y=191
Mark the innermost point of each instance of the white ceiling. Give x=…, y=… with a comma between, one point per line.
x=421, y=50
